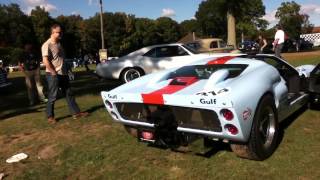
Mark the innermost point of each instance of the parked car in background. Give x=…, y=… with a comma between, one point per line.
x=236, y=100
x=248, y=46
x=291, y=45
x=3, y=77
x=148, y=60
x=213, y=45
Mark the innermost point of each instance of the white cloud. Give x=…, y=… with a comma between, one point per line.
x=31, y=4
x=270, y=17
x=75, y=13
x=167, y=12
x=310, y=9
x=34, y=2
x=93, y=2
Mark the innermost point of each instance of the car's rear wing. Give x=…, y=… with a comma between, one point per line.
x=199, y=101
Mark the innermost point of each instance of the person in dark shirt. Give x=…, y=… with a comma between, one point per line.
x=30, y=65
x=262, y=43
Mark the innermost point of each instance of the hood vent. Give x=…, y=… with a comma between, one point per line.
x=216, y=78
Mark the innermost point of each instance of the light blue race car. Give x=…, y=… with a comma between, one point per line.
x=238, y=100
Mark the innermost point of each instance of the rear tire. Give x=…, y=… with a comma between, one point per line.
x=130, y=74
x=264, y=135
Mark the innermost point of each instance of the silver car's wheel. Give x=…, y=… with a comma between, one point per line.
x=130, y=74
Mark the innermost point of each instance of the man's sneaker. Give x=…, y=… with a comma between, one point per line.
x=52, y=120
x=80, y=115
x=45, y=100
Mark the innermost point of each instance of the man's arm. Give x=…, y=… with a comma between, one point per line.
x=21, y=66
x=275, y=43
x=49, y=65
x=264, y=43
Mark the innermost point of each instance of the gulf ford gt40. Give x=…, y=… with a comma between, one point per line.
x=239, y=100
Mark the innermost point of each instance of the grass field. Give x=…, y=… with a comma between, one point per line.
x=98, y=148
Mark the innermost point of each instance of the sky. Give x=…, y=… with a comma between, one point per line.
x=179, y=10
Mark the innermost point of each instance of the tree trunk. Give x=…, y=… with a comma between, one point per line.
x=231, y=30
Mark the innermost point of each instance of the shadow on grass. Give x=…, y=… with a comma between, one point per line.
x=288, y=121
x=90, y=110
x=14, y=99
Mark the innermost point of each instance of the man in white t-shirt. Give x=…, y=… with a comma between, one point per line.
x=56, y=73
x=278, y=41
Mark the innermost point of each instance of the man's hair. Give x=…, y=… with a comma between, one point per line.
x=54, y=26
x=278, y=26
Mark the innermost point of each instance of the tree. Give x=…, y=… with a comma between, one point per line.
x=291, y=20
x=41, y=22
x=217, y=14
x=15, y=31
x=143, y=34
x=15, y=27
x=71, y=34
x=210, y=19
x=168, y=30
x=189, y=26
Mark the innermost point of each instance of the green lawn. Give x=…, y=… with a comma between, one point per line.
x=98, y=148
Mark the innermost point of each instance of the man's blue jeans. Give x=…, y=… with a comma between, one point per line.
x=60, y=82
x=278, y=50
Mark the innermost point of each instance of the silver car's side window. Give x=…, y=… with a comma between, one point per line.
x=170, y=51
x=166, y=51
x=151, y=53
x=182, y=52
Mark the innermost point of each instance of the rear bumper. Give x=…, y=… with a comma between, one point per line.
x=202, y=120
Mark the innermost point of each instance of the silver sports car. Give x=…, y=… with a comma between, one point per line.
x=148, y=60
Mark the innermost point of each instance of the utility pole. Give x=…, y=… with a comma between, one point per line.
x=103, y=53
x=101, y=25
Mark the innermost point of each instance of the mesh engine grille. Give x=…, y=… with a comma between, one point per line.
x=186, y=117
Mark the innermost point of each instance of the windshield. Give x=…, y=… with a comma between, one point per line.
x=190, y=49
x=205, y=71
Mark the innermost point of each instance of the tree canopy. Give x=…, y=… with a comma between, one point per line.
x=125, y=33
x=212, y=17
x=293, y=22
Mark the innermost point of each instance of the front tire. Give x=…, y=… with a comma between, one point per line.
x=264, y=135
x=130, y=74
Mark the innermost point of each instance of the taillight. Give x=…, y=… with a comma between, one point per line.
x=227, y=114
x=231, y=129
x=108, y=103
x=147, y=135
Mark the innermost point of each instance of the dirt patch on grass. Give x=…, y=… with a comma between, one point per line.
x=95, y=129
x=48, y=152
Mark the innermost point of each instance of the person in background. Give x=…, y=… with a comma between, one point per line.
x=262, y=43
x=29, y=64
x=86, y=62
x=56, y=74
x=278, y=41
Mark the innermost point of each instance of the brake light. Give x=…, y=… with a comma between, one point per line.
x=227, y=114
x=108, y=103
x=231, y=129
x=147, y=135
